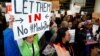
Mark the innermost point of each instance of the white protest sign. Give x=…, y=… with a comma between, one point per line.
x=31, y=17
x=75, y=8
x=95, y=28
x=72, y=35
x=69, y=12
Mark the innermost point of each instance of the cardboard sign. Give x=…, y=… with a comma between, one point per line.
x=30, y=17
x=72, y=35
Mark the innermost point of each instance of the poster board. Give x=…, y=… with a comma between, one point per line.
x=30, y=17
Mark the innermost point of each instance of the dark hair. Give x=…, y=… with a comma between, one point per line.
x=60, y=34
x=26, y=37
x=51, y=23
x=89, y=16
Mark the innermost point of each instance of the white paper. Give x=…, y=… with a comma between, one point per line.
x=95, y=28
x=22, y=26
x=72, y=35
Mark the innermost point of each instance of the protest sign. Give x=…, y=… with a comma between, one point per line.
x=75, y=8
x=95, y=28
x=30, y=17
x=72, y=35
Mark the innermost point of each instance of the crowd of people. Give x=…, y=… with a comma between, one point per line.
x=55, y=41
x=58, y=39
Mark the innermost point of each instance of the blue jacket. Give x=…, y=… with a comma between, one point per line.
x=10, y=45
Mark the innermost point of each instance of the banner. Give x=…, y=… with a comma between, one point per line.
x=30, y=17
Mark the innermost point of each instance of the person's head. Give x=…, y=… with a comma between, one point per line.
x=70, y=24
x=53, y=26
x=89, y=16
x=29, y=38
x=64, y=24
x=63, y=36
x=80, y=25
x=89, y=24
x=69, y=18
x=84, y=18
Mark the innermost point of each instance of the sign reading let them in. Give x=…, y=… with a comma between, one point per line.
x=30, y=17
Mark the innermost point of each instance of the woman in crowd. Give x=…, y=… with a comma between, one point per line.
x=88, y=33
x=68, y=18
x=10, y=45
x=79, y=40
x=49, y=36
x=30, y=46
x=70, y=25
x=61, y=47
x=2, y=28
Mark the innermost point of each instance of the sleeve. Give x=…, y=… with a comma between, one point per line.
x=6, y=43
x=10, y=45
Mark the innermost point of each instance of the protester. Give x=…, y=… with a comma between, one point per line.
x=49, y=36
x=2, y=28
x=61, y=47
x=10, y=45
x=30, y=46
x=79, y=40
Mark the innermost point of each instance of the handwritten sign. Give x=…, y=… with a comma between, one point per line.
x=30, y=17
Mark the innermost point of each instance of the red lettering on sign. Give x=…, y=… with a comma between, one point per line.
x=37, y=17
x=30, y=19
